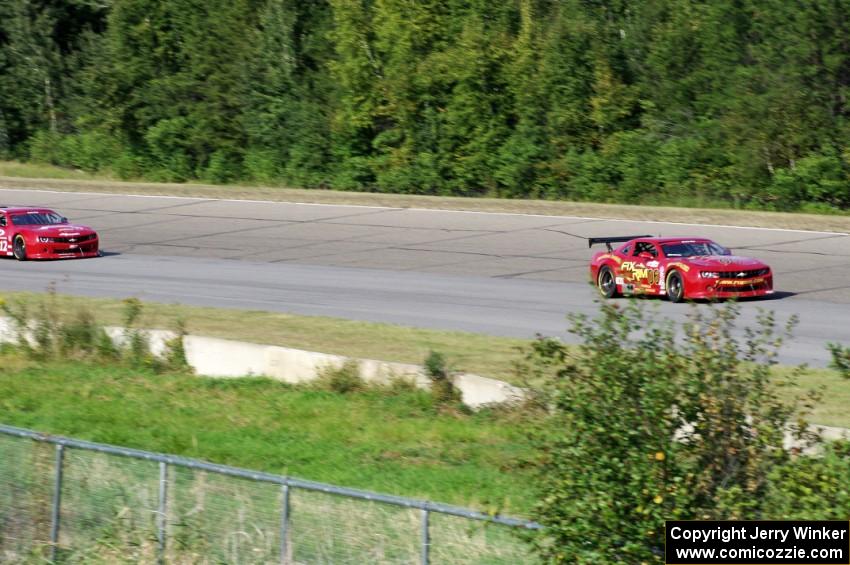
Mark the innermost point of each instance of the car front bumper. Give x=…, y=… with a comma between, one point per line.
x=50, y=250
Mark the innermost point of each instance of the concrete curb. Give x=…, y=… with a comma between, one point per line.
x=224, y=358
x=215, y=357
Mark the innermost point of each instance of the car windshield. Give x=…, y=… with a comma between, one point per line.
x=693, y=248
x=37, y=219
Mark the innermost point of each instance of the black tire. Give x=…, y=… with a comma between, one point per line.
x=606, y=282
x=675, y=286
x=19, y=248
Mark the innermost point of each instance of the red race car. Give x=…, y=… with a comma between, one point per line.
x=40, y=233
x=680, y=268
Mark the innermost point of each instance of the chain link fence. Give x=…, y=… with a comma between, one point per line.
x=72, y=501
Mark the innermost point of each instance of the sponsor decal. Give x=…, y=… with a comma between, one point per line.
x=653, y=264
x=619, y=280
x=662, y=283
x=682, y=266
x=737, y=282
x=639, y=271
x=611, y=256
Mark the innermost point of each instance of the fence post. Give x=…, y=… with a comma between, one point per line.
x=57, y=502
x=426, y=538
x=163, y=508
x=284, y=525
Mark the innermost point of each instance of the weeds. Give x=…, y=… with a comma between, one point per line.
x=344, y=379
x=44, y=333
x=442, y=387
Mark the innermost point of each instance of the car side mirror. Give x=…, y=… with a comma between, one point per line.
x=64, y=220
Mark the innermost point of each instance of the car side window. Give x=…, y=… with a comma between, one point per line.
x=627, y=250
x=2, y=220
x=645, y=247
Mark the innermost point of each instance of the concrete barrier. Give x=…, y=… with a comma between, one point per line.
x=215, y=357
x=225, y=358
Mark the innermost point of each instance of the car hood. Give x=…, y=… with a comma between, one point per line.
x=60, y=230
x=723, y=262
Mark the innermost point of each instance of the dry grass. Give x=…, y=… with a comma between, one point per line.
x=475, y=353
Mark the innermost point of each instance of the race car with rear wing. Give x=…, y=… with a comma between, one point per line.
x=41, y=233
x=681, y=268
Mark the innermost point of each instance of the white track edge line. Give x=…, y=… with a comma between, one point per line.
x=416, y=209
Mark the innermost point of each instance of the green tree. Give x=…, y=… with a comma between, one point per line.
x=287, y=120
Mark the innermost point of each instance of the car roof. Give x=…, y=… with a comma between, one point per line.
x=671, y=239
x=20, y=209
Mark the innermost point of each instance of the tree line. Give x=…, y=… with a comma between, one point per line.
x=738, y=103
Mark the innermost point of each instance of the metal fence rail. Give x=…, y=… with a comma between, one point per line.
x=85, y=498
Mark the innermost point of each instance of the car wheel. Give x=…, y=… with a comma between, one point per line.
x=606, y=282
x=19, y=248
x=675, y=286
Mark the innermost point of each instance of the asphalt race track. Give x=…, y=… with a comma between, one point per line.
x=501, y=274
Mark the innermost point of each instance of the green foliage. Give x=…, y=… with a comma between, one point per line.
x=811, y=488
x=647, y=423
x=174, y=353
x=46, y=333
x=442, y=386
x=725, y=103
x=840, y=359
x=343, y=379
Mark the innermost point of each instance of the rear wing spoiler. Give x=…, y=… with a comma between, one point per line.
x=591, y=241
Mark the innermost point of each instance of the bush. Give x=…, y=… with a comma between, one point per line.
x=44, y=147
x=128, y=166
x=90, y=151
x=344, y=379
x=223, y=167
x=646, y=424
x=811, y=488
x=442, y=388
x=262, y=165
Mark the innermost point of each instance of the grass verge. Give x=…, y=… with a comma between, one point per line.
x=389, y=440
x=36, y=176
x=832, y=408
x=475, y=353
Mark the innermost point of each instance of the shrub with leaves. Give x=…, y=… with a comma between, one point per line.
x=442, y=386
x=811, y=488
x=646, y=423
x=343, y=379
x=840, y=359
